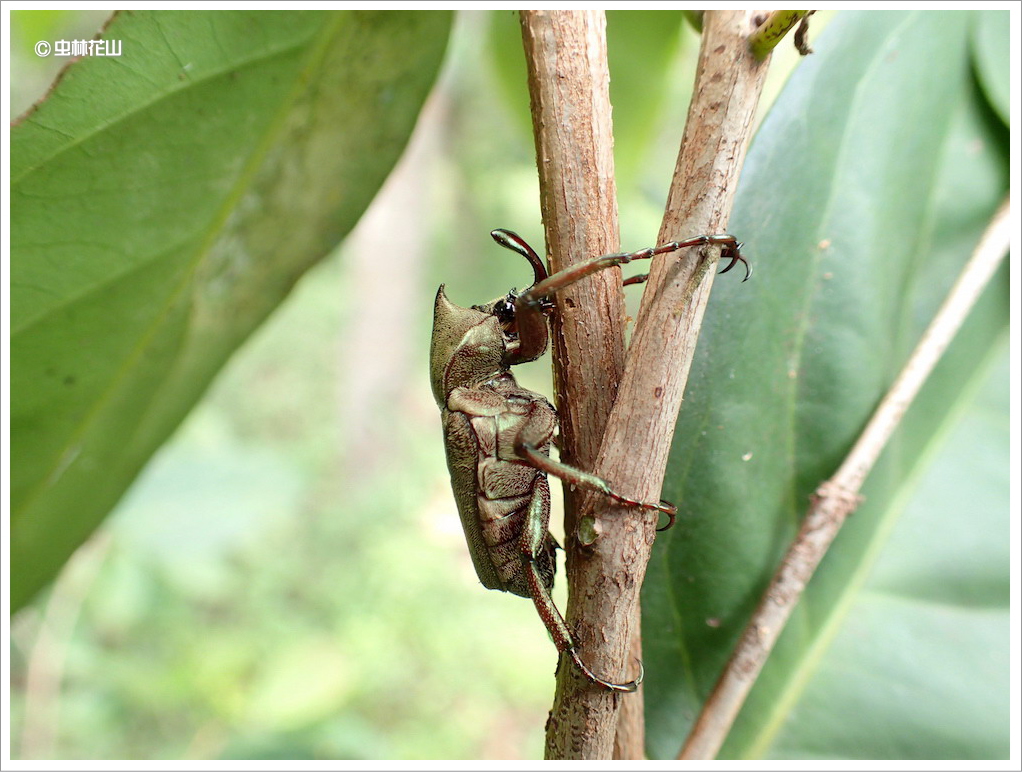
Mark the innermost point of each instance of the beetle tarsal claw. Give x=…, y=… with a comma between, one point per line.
x=670, y=510
x=735, y=255
x=628, y=687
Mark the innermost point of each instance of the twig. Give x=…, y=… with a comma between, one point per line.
x=837, y=498
x=569, y=87
x=608, y=575
x=773, y=29
x=728, y=83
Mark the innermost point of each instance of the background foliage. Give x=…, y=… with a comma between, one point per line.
x=865, y=238
x=168, y=251
x=287, y=577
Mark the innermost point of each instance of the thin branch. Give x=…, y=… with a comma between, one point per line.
x=606, y=576
x=837, y=498
x=569, y=87
x=719, y=125
x=773, y=29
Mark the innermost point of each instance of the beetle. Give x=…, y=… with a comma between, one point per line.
x=498, y=435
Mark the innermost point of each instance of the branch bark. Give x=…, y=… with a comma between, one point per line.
x=576, y=173
x=569, y=88
x=641, y=426
x=837, y=498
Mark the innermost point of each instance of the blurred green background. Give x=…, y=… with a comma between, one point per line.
x=288, y=578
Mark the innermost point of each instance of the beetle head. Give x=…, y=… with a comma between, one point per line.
x=468, y=345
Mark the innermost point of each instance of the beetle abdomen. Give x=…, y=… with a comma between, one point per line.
x=503, y=501
x=504, y=521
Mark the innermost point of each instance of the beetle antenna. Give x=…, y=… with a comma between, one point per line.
x=514, y=242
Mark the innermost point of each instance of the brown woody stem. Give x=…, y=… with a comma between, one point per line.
x=569, y=87
x=568, y=82
x=641, y=425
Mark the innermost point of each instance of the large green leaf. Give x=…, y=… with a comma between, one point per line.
x=862, y=197
x=991, y=51
x=162, y=204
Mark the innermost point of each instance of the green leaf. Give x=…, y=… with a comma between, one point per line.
x=162, y=204
x=863, y=195
x=920, y=655
x=37, y=25
x=991, y=51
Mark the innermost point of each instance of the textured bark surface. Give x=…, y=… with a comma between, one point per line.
x=638, y=436
x=569, y=86
x=568, y=80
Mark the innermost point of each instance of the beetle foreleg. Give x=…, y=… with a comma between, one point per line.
x=729, y=252
x=639, y=278
x=575, y=476
x=533, y=297
x=532, y=306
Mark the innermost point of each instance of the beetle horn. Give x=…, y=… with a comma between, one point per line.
x=514, y=242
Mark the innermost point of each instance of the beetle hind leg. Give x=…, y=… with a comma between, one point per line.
x=535, y=538
x=630, y=686
x=563, y=639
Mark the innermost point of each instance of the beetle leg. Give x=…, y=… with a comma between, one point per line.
x=637, y=279
x=734, y=255
x=533, y=537
x=532, y=306
x=532, y=297
x=575, y=476
x=731, y=249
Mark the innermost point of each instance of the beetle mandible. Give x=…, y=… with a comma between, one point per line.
x=498, y=435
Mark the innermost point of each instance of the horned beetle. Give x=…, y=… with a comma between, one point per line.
x=498, y=435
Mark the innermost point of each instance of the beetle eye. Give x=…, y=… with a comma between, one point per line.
x=504, y=310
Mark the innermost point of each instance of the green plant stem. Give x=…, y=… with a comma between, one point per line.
x=772, y=31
